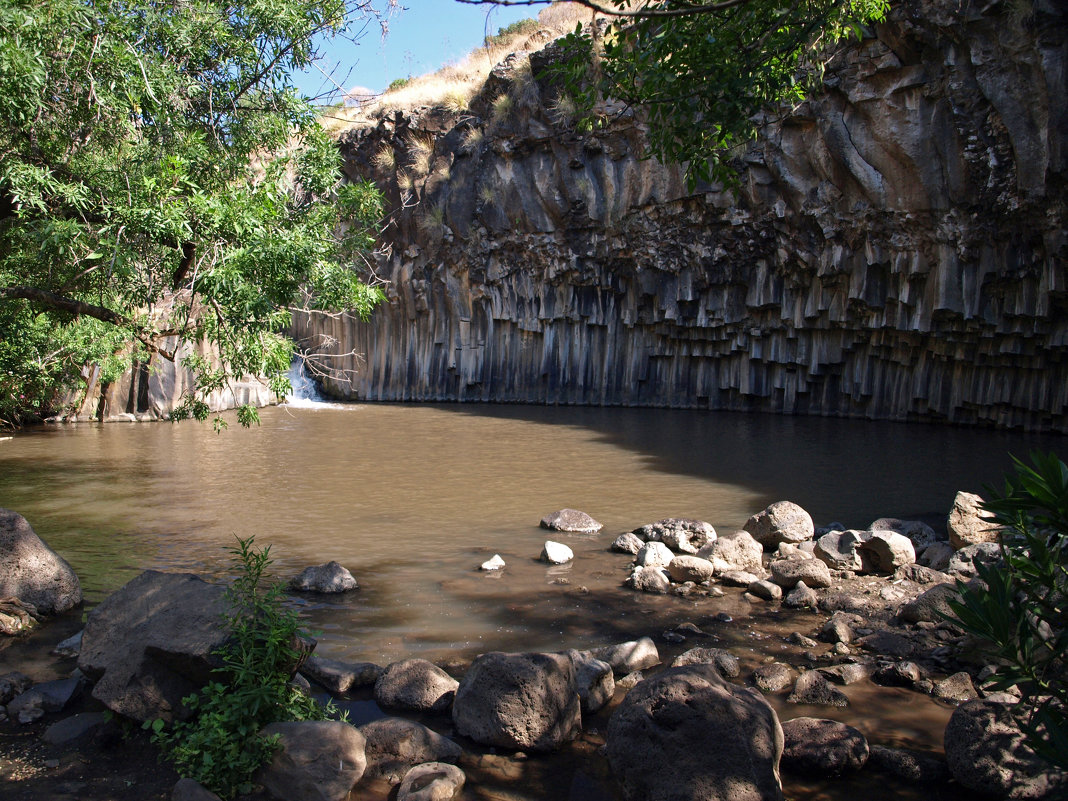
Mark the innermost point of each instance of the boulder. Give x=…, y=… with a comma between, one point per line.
x=801, y=596
x=316, y=760
x=571, y=520
x=33, y=573
x=888, y=643
x=899, y=674
x=838, y=549
x=690, y=568
x=846, y=673
x=839, y=627
x=738, y=578
x=917, y=531
x=766, y=590
x=12, y=684
x=936, y=556
x=907, y=765
x=518, y=701
x=594, y=680
x=493, y=563
x=393, y=746
x=724, y=661
x=433, y=781
x=739, y=550
x=415, y=684
x=787, y=572
x=556, y=553
x=678, y=534
x=654, y=554
x=627, y=542
x=886, y=552
x=73, y=728
x=962, y=563
x=811, y=688
x=649, y=579
x=51, y=696
x=955, y=688
x=986, y=753
x=151, y=642
x=627, y=657
x=968, y=524
x=340, y=677
x=773, y=677
x=822, y=747
x=783, y=521
x=330, y=578
x=930, y=606
x=688, y=735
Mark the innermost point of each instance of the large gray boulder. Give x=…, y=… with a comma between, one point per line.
x=432, y=781
x=151, y=643
x=838, y=549
x=327, y=578
x=690, y=568
x=986, y=753
x=917, y=531
x=394, y=746
x=317, y=760
x=519, y=701
x=968, y=524
x=340, y=677
x=595, y=680
x=788, y=572
x=679, y=534
x=931, y=606
x=783, y=521
x=31, y=571
x=688, y=735
x=886, y=551
x=415, y=684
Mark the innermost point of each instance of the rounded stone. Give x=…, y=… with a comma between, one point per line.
x=782, y=521
x=774, y=677
x=679, y=534
x=326, y=578
x=571, y=520
x=822, y=747
x=433, y=781
x=415, y=684
x=518, y=701
x=31, y=571
x=688, y=735
x=649, y=579
x=887, y=551
x=690, y=568
x=316, y=760
x=627, y=542
x=654, y=554
x=739, y=550
x=556, y=553
x=395, y=745
x=788, y=572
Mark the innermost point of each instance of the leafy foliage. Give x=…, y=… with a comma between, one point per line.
x=221, y=746
x=703, y=74
x=163, y=185
x=1021, y=609
x=508, y=32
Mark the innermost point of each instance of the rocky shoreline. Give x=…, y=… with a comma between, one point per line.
x=639, y=723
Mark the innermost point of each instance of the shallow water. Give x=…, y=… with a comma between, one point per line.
x=413, y=498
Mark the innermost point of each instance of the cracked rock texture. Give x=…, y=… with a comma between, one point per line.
x=896, y=247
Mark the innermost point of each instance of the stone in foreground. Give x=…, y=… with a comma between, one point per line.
x=326, y=578
x=317, y=760
x=627, y=657
x=433, y=781
x=415, y=684
x=395, y=745
x=968, y=523
x=31, y=571
x=571, y=520
x=151, y=643
x=518, y=701
x=688, y=735
x=822, y=747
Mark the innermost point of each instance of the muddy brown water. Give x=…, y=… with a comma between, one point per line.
x=412, y=498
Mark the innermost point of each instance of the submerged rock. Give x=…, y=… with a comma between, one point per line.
x=394, y=745
x=822, y=747
x=326, y=578
x=432, y=781
x=571, y=520
x=556, y=553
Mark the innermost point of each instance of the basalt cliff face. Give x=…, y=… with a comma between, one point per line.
x=896, y=248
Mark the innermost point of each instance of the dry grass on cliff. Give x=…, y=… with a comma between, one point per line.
x=454, y=85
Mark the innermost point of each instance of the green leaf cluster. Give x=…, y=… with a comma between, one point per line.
x=160, y=176
x=221, y=746
x=704, y=76
x=508, y=32
x=1019, y=609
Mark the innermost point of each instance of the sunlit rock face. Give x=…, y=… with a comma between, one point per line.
x=896, y=248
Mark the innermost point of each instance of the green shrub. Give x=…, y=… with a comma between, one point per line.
x=398, y=83
x=517, y=28
x=220, y=746
x=1022, y=610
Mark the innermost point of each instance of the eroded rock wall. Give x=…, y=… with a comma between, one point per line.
x=896, y=249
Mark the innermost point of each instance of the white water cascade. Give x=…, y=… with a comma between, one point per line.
x=305, y=393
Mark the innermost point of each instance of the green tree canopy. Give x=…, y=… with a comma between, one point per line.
x=162, y=183
x=703, y=70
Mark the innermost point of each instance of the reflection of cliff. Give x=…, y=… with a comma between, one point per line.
x=897, y=249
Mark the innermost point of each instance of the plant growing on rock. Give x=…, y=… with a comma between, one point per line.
x=1020, y=608
x=221, y=746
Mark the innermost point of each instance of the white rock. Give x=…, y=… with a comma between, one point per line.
x=496, y=563
x=556, y=553
x=654, y=554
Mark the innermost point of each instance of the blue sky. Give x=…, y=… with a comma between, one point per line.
x=423, y=36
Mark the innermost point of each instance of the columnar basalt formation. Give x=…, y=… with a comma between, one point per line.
x=896, y=246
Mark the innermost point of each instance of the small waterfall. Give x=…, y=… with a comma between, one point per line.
x=305, y=392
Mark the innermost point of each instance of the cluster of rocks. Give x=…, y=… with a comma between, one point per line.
x=695, y=729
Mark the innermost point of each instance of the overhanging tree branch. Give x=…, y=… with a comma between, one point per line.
x=642, y=13
x=61, y=303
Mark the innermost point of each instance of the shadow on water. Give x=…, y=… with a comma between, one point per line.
x=848, y=470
